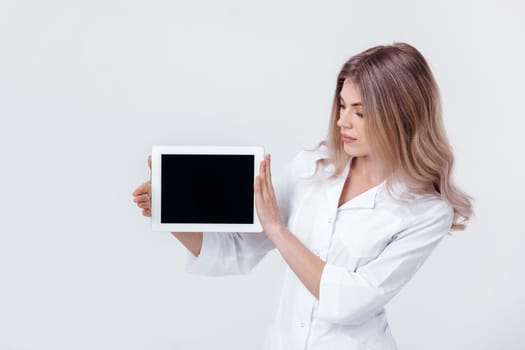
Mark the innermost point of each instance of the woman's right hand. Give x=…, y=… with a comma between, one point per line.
x=142, y=195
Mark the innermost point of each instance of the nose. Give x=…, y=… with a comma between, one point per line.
x=345, y=120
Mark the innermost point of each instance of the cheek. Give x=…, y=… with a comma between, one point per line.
x=364, y=142
x=362, y=133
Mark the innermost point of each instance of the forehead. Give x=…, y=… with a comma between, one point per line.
x=350, y=92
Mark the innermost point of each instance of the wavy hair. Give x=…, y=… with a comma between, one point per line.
x=403, y=114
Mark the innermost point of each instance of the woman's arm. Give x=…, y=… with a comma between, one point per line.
x=230, y=253
x=350, y=297
x=305, y=264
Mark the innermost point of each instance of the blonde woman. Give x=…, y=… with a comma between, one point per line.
x=357, y=216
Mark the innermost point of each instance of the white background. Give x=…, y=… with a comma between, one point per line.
x=87, y=87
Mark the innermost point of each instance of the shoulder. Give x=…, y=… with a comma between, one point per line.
x=429, y=206
x=417, y=210
x=305, y=161
x=423, y=213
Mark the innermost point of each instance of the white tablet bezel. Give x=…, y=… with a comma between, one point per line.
x=159, y=150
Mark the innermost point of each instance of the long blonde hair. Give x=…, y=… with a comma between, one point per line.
x=402, y=109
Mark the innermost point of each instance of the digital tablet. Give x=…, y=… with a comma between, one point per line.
x=204, y=188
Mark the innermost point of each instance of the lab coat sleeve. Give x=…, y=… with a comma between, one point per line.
x=231, y=253
x=351, y=297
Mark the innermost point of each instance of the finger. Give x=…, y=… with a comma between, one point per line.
x=256, y=192
x=146, y=212
x=261, y=173
x=264, y=183
x=269, y=175
x=139, y=190
x=142, y=198
x=144, y=188
x=144, y=205
x=261, y=168
x=149, y=161
x=259, y=187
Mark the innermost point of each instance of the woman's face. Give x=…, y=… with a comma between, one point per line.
x=352, y=121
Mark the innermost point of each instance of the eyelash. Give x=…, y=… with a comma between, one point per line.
x=360, y=115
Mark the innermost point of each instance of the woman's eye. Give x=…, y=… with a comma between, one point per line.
x=360, y=115
x=341, y=106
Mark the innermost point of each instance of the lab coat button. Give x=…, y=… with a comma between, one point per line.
x=330, y=220
x=301, y=325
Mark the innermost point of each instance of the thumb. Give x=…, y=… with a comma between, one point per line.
x=149, y=162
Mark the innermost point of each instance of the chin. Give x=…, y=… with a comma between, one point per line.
x=352, y=152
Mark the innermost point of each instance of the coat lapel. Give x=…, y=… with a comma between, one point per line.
x=334, y=188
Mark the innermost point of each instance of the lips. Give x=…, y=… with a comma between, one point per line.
x=348, y=137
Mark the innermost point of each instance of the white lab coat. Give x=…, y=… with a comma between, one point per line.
x=372, y=246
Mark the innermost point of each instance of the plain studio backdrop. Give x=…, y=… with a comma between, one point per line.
x=87, y=87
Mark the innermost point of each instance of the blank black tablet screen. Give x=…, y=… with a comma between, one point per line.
x=207, y=189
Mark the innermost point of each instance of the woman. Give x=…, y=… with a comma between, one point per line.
x=357, y=216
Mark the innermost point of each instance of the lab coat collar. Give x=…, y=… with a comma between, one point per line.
x=366, y=200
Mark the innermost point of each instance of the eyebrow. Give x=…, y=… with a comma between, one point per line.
x=353, y=104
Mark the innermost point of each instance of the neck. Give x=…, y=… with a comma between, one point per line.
x=366, y=169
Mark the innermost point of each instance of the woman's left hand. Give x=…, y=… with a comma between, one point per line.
x=265, y=202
